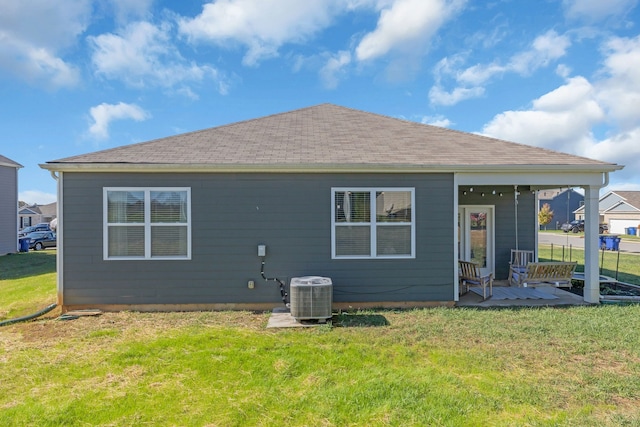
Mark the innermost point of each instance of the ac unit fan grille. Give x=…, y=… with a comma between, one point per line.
x=311, y=301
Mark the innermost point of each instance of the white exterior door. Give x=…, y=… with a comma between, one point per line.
x=476, y=236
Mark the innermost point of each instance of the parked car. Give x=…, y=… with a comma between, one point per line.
x=577, y=226
x=38, y=227
x=39, y=240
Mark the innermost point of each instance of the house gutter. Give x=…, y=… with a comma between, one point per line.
x=325, y=168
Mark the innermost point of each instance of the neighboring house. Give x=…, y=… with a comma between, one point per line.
x=563, y=202
x=618, y=209
x=36, y=214
x=384, y=207
x=8, y=205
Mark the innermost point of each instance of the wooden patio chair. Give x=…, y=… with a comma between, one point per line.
x=518, y=265
x=469, y=275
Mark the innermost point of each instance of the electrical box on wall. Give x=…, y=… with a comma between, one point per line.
x=262, y=250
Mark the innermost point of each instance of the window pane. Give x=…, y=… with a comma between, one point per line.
x=125, y=206
x=353, y=240
x=393, y=206
x=479, y=238
x=169, y=206
x=168, y=241
x=394, y=240
x=353, y=206
x=126, y=241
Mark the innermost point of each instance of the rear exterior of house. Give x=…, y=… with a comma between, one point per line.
x=374, y=203
x=8, y=205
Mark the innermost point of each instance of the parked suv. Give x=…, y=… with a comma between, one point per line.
x=577, y=226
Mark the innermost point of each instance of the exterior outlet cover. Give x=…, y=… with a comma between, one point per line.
x=262, y=250
x=251, y=284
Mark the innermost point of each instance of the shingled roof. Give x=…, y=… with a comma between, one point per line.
x=328, y=137
x=5, y=161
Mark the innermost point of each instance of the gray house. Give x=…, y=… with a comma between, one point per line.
x=8, y=205
x=383, y=207
x=563, y=202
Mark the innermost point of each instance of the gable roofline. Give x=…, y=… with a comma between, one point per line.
x=635, y=195
x=5, y=161
x=621, y=202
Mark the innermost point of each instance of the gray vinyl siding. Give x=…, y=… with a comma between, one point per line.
x=8, y=210
x=231, y=215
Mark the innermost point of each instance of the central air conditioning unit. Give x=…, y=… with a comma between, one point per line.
x=311, y=297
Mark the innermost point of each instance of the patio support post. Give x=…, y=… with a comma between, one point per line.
x=591, y=245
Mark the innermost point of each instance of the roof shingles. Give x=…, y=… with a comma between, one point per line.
x=330, y=135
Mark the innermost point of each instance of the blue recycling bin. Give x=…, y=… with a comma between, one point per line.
x=611, y=243
x=631, y=231
x=24, y=244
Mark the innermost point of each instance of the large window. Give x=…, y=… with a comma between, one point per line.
x=373, y=223
x=147, y=223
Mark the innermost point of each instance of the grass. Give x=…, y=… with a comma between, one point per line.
x=443, y=367
x=623, y=266
x=27, y=282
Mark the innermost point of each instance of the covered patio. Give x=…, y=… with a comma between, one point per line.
x=511, y=198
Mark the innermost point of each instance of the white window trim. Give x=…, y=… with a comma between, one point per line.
x=373, y=223
x=147, y=224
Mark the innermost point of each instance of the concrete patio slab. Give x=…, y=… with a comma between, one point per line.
x=281, y=318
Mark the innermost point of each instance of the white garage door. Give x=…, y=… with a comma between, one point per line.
x=617, y=226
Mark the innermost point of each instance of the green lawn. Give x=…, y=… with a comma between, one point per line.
x=622, y=266
x=27, y=282
x=574, y=366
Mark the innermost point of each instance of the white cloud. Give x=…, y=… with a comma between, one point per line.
x=619, y=91
x=34, y=33
x=126, y=10
x=544, y=49
x=104, y=114
x=262, y=26
x=439, y=96
x=406, y=26
x=142, y=54
x=597, y=10
x=560, y=120
x=36, y=196
x=438, y=120
x=623, y=148
x=333, y=69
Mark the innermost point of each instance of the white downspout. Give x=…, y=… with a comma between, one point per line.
x=456, y=238
x=59, y=239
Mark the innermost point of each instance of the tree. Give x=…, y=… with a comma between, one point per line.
x=545, y=215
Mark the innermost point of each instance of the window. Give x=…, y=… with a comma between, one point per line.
x=147, y=223
x=373, y=223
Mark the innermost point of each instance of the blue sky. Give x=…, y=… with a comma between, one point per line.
x=81, y=76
